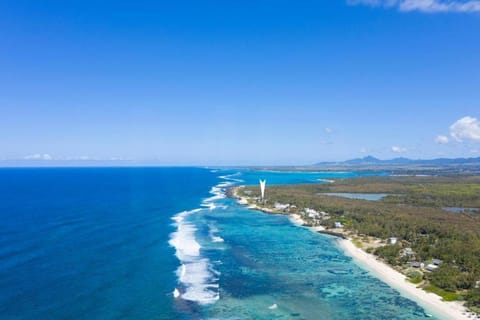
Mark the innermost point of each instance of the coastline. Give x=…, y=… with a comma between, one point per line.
x=431, y=302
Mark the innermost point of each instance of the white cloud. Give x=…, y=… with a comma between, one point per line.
x=328, y=130
x=397, y=149
x=427, y=6
x=440, y=139
x=38, y=156
x=467, y=128
x=363, y=150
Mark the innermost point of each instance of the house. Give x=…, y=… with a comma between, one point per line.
x=393, y=240
x=416, y=264
x=338, y=224
x=408, y=252
x=436, y=262
x=311, y=212
x=431, y=267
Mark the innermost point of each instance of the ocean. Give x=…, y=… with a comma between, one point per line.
x=165, y=243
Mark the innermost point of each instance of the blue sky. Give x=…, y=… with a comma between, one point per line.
x=238, y=82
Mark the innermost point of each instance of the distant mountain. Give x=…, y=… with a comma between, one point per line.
x=372, y=161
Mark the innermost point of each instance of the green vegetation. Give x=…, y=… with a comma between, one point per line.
x=424, y=191
x=413, y=214
x=473, y=299
x=357, y=243
x=389, y=253
x=414, y=276
x=451, y=278
x=446, y=295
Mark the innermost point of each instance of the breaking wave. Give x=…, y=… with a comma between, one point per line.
x=198, y=280
x=195, y=274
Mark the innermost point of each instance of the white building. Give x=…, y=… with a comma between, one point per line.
x=281, y=206
x=311, y=213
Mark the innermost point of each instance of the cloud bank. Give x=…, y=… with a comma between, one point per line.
x=38, y=156
x=441, y=139
x=467, y=128
x=427, y=6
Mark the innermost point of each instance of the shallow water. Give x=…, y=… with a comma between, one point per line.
x=251, y=177
x=359, y=196
x=461, y=210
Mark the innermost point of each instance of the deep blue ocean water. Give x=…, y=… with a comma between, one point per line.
x=165, y=243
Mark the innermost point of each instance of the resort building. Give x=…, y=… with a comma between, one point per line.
x=431, y=267
x=281, y=206
x=436, y=262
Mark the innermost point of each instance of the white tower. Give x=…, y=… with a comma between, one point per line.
x=262, y=188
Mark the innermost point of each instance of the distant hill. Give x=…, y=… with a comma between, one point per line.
x=372, y=161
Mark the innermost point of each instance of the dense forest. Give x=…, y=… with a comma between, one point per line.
x=413, y=213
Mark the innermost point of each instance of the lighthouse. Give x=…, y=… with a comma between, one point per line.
x=262, y=188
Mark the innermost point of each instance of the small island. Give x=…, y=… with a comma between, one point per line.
x=408, y=235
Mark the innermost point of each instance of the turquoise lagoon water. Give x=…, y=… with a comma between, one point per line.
x=165, y=243
x=285, y=177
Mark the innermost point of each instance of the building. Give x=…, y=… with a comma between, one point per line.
x=436, y=262
x=408, y=252
x=393, y=240
x=311, y=213
x=431, y=267
x=338, y=224
x=281, y=206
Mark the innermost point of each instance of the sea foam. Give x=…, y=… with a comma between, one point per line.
x=194, y=274
x=197, y=278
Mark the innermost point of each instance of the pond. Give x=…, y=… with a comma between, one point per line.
x=358, y=196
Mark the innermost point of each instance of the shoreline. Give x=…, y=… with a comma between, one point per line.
x=432, y=303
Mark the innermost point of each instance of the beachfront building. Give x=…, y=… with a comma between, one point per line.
x=311, y=213
x=431, y=267
x=436, y=262
x=393, y=240
x=338, y=224
x=281, y=206
x=408, y=252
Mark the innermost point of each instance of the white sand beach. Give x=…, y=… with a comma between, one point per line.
x=432, y=303
x=297, y=220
